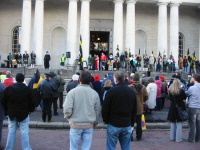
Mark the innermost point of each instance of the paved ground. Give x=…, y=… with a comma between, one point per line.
x=59, y=140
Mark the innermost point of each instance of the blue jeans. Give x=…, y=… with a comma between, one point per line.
x=24, y=129
x=115, y=133
x=194, y=124
x=176, y=131
x=185, y=69
x=84, y=134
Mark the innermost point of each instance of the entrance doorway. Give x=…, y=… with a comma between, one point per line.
x=99, y=42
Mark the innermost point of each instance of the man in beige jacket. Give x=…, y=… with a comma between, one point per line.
x=82, y=109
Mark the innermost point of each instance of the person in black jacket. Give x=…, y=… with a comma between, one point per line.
x=47, y=89
x=18, y=103
x=73, y=84
x=55, y=93
x=119, y=111
x=2, y=113
x=177, y=95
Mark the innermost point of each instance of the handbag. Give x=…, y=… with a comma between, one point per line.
x=182, y=112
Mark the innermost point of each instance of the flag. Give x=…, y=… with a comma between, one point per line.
x=81, y=54
x=139, y=55
x=188, y=56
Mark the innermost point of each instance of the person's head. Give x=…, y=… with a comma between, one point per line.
x=25, y=51
x=3, y=72
x=176, y=86
x=20, y=77
x=118, y=77
x=108, y=83
x=185, y=57
x=157, y=78
x=189, y=75
x=59, y=72
x=8, y=74
x=33, y=52
x=47, y=52
x=143, y=74
x=75, y=77
x=96, y=77
x=125, y=76
x=18, y=52
x=151, y=80
x=47, y=76
x=85, y=77
x=162, y=78
x=136, y=77
x=78, y=73
x=178, y=74
x=196, y=78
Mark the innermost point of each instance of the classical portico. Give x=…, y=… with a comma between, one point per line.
x=46, y=22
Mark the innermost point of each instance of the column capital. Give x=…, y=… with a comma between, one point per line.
x=131, y=1
x=118, y=1
x=162, y=4
x=85, y=0
x=175, y=4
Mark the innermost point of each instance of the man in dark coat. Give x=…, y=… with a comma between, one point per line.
x=2, y=113
x=109, y=77
x=47, y=58
x=119, y=111
x=18, y=103
x=25, y=59
x=46, y=89
x=55, y=94
x=73, y=84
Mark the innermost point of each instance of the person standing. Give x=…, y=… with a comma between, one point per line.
x=33, y=56
x=90, y=59
x=62, y=61
x=46, y=89
x=74, y=83
x=194, y=110
x=151, y=62
x=55, y=93
x=93, y=62
x=18, y=103
x=159, y=90
x=9, y=80
x=97, y=87
x=82, y=109
x=109, y=77
x=2, y=113
x=152, y=92
x=164, y=64
x=97, y=62
x=19, y=60
x=119, y=111
x=47, y=58
x=185, y=64
x=164, y=86
x=177, y=95
x=190, y=80
x=25, y=59
x=10, y=58
x=181, y=63
x=144, y=79
x=61, y=88
x=142, y=96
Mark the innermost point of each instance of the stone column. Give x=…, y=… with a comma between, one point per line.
x=72, y=30
x=118, y=26
x=130, y=26
x=174, y=30
x=84, y=28
x=38, y=31
x=26, y=26
x=162, y=28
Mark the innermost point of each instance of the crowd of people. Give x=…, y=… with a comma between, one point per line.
x=119, y=100
x=150, y=63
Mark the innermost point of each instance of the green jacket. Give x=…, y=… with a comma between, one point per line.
x=62, y=83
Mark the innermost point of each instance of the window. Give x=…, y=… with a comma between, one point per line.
x=16, y=39
x=181, y=44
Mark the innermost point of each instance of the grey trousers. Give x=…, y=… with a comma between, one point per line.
x=194, y=124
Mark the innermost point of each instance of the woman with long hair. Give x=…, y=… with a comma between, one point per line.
x=177, y=95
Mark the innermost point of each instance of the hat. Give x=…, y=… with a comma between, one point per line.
x=108, y=83
x=47, y=75
x=190, y=74
x=174, y=76
x=47, y=52
x=109, y=74
x=157, y=78
x=20, y=77
x=52, y=74
x=162, y=77
x=136, y=77
x=78, y=73
x=96, y=77
x=75, y=77
x=3, y=72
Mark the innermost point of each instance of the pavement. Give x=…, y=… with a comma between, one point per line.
x=41, y=139
x=156, y=120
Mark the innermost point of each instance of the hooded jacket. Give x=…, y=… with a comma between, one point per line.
x=159, y=88
x=141, y=94
x=18, y=101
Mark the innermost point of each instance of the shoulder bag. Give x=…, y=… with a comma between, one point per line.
x=182, y=112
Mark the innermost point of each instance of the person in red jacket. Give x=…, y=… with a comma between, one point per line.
x=8, y=81
x=103, y=61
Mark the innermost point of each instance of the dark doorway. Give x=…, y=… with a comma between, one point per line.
x=99, y=42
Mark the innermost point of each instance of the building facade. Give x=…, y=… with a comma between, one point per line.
x=56, y=25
